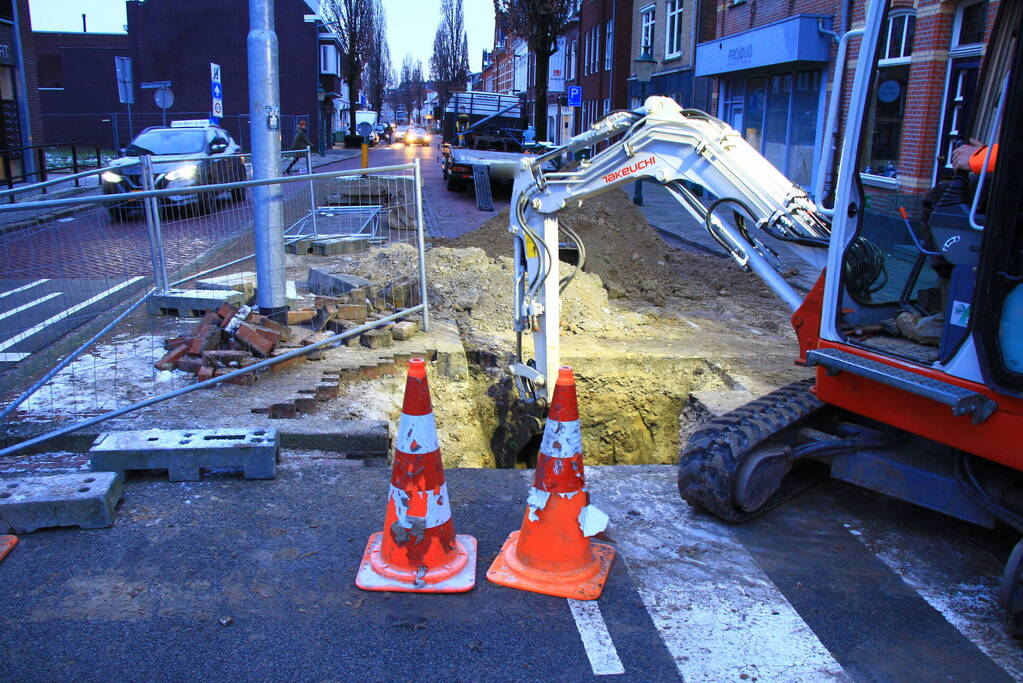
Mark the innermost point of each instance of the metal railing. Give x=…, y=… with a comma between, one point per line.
x=78, y=156
x=121, y=251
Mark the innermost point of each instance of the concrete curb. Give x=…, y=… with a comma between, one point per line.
x=353, y=438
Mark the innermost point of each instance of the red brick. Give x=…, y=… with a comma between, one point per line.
x=205, y=373
x=172, y=357
x=218, y=357
x=246, y=380
x=256, y=338
x=302, y=315
x=280, y=411
x=189, y=364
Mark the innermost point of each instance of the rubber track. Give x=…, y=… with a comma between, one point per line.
x=715, y=451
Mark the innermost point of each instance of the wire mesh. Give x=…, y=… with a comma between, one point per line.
x=65, y=273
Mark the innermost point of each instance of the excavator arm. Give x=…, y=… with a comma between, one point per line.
x=753, y=205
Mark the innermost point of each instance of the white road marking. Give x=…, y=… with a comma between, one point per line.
x=23, y=288
x=11, y=357
x=959, y=579
x=65, y=314
x=600, y=649
x=720, y=617
x=30, y=304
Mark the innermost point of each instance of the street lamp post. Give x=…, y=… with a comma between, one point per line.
x=644, y=65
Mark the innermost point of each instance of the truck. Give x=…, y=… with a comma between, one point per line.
x=468, y=108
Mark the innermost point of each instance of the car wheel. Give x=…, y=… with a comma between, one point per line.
x=454, y=184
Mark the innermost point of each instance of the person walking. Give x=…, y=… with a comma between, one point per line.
x=299, y=143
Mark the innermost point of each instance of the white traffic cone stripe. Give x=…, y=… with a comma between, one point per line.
x=561, y=439
x=416, y=434
x=438, y=509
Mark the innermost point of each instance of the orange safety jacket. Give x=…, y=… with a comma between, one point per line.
x=977, y=159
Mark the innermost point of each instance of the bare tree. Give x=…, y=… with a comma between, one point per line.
x=379, y=75
x=354, y=22
x=449, y=64
x=539, y=23
x=412, y=86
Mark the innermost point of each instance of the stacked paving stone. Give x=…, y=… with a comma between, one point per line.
x=225, y=340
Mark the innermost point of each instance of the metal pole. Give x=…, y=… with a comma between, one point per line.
x=312, y=190
x=153, y=227
x=21, y=87
x=268, y=206
x=421, y=246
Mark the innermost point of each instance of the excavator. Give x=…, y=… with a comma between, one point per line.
x=913, y=331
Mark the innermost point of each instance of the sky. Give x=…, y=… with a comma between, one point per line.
x=411, y=24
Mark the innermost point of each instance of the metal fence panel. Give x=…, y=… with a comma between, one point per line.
x=91, y=266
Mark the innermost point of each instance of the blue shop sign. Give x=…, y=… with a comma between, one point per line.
x=796, y=39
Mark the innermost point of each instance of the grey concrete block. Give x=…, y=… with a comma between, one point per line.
x=83, y=499
x=340, y=245
x=192, y=302
x=333, y=284
x=244, y=282
x=184, y=453
x=445, y=340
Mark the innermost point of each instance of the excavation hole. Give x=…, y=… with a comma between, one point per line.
x=631, y=411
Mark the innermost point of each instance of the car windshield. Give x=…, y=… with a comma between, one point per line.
x=420, y=131
x=168, y=142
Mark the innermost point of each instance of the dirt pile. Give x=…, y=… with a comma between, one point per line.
x=475, y=290
x=634, y=262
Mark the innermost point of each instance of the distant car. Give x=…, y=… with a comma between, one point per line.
x=183, y=156
x=399, y=133
x=417, y=136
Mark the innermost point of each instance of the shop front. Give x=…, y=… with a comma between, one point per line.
x=771, y=88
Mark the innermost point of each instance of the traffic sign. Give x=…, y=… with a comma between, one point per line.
x=216, y=91
x=164, y=98
x=575, y=96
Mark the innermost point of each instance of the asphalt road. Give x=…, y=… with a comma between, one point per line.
x=839, y=584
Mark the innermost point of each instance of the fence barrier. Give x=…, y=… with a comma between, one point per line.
x=177, y=229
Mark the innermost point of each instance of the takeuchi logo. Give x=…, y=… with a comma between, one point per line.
x=628, y=170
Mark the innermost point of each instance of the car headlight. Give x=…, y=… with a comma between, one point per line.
x=111, y=177
x=183, y=172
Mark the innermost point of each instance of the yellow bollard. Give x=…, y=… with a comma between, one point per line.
x=365, y=155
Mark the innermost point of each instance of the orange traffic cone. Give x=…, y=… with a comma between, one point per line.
x=552, y=552
x=418, y=550
x=7, y=544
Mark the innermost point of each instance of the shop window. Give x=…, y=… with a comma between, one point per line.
x=777, y=115
x=673, y=38
x=887, y=104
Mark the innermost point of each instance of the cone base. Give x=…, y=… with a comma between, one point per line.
x=369, y=580
x=584, y=584
x=7, y=544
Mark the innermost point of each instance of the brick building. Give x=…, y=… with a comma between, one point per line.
x=773, y=62
x=604, y=58
x=77, y=89
x=669, y=30
x=20, y=124
x=175, y=40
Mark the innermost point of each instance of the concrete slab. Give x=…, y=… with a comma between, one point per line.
x=340, y=245
x=333, y=284
x=184, y=453
x=83, y=499
x=244, y=282
x=193, y=303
